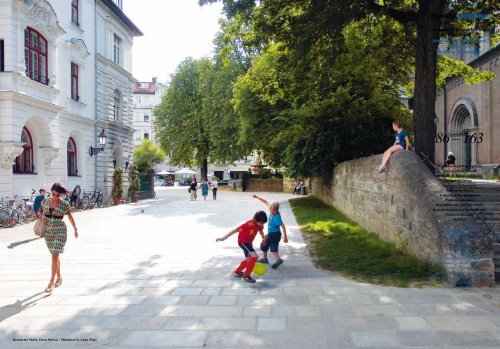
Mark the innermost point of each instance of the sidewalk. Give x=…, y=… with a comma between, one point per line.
x=150, y=275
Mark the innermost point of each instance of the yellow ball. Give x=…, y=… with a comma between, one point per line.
x=259, y=269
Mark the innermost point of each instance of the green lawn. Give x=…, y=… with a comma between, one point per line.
x=340, y=244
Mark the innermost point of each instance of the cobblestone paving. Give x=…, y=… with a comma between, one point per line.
x=150, y=275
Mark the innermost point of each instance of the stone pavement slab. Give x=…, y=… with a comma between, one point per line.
x=150, y=275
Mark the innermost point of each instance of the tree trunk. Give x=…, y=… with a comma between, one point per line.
x=204, y=169
x=428, y=25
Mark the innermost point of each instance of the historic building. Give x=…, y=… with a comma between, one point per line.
x=54, y=57
x=472, y=122
x=147, y=96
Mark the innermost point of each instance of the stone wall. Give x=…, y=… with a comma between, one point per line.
x=267, y=185
x=399, y=205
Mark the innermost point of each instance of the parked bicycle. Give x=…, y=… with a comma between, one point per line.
x=9, y=216
x=92, y=199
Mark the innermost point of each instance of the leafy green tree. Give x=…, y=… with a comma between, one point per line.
x=146, y=156
x=195, y=121
x=305, y=27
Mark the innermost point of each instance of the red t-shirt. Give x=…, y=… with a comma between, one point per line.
x=248, y=232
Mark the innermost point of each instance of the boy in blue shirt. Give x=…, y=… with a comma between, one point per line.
x=402, y=143
x=39, y=199
x=275, y=228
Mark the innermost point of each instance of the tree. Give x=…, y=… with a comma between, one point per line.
x=146, y=156
x=195, y=121
x=304, y=25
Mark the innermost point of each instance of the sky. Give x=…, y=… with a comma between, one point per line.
x=173, y=30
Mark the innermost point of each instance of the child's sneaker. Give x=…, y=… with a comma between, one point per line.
x=238, y=275
x=248, y=279
x=263, y=261
x=277, y=264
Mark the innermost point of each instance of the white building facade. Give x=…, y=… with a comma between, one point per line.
x=147, y=96
x=48, y=78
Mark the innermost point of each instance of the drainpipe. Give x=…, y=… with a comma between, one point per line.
x=95, y=88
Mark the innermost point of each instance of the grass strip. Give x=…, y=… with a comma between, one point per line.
x=342, y=245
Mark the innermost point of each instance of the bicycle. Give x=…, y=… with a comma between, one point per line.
x=96, y=199
x=25, y=209
x=9, y=216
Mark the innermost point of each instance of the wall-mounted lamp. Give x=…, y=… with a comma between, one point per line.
x=102, y=142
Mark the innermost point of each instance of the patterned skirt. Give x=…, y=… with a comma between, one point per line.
x=55, y=235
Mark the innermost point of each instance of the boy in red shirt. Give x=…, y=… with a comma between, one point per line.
x=246, y=235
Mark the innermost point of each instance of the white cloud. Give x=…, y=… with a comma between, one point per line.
x=173, y=30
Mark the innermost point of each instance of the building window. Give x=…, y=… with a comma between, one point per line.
x=2, y=56
x=74, y=82
x=146, y=118
x=146, y=135
x=74, y=12
x=72, y=164
x=116, y=49
x=35, y=56
x=116, y=106
x=24, y=162
x=118, y=3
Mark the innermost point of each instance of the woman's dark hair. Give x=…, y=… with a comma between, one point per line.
x=398, y=123
x=58, y=187
x=260, y=216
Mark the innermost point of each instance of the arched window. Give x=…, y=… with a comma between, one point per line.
x=35, y=56
x=117, y=106
x=24, y=162
x=72, y=164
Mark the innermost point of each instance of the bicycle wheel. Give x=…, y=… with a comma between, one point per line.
x=99, y=200
x=85, y=202
x=12, y=217
x=4, y=218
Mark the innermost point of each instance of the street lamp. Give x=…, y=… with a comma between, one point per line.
x=102, y=143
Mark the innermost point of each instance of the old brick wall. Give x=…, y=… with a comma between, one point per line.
x=399, y=204
x=267, y=185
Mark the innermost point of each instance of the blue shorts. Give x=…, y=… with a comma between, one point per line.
x=272, y=242
x=247, y=248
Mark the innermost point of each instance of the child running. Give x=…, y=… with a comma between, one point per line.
x=273, y=237
x=246, y=235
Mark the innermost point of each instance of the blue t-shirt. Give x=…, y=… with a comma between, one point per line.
x=38, y=202
x=273, y=225
x=400, y=139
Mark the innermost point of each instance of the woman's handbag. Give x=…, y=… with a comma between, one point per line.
x=40, y=226
x=189, y=190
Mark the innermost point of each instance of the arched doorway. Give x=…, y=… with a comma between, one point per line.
x=118, y=157
x=463, y=122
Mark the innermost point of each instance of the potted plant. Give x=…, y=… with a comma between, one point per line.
x=117, y=190
x=133, y=176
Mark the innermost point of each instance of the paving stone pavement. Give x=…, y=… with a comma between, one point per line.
x=150, y=275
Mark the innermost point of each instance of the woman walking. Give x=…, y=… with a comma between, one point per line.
x=192, y=189
x=52, y=210
x=214, y=188
x=204, y=188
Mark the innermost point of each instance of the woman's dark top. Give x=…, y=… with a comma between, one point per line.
x=193, y=185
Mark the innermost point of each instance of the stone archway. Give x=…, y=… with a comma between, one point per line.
x=118, y=156
x=463, y=121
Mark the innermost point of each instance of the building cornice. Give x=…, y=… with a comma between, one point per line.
x=30, y=100
x=121, y=15
x=111, y=64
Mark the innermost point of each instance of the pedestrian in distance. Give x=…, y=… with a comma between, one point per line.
x=214, y=186
x=193, y=187
x=39, y=198
x=246, y=235
x=52, y=211
x=204, y=188
x=275, y=228
x=450, y=160
x=401, y=143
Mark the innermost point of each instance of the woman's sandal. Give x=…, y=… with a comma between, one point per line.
x=58, y=282
x=50, y=288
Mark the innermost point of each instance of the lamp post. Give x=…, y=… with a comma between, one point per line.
x=102, y=142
